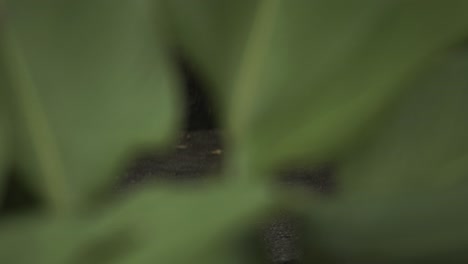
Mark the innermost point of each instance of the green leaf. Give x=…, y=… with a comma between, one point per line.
x=211, y=33
x=403, y=190
x=194, y=221
x=421, y=143
x=91, y=83
x=4, y=128
x=303, y=78
x=417, y=228
x=37, y=239
x=160, y=225
x=4, y=146
x=234, y=253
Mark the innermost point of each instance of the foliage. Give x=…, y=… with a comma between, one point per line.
x=378, y=87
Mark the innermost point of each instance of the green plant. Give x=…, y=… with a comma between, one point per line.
x=380, y=87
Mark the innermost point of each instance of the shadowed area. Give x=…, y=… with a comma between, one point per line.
x=199, y=154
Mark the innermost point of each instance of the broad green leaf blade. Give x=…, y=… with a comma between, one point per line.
x=38, y=239
x=4, y=127
x=196, y=221
x=91, y=83
x=310, y=75
x=4, y=145
x=211, y=33
x=424, y=228
x=152, y=226
x=422, y=142
x=234, y=253
x=330, y=68
x=403, y=191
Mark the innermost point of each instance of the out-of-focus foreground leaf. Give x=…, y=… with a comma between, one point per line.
x=235, y=252
x=311, y=74
x=417, y=228
x=422, y=143
x=153, y=226
x=3, y=142
x=403, y=192
x=90, y=82
x=211, y=32
x=4, y=125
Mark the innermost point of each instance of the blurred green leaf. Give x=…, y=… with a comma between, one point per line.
x=91, y=83
x=152, y=226
x=211, y=33
x=416, y=228
x=194, y=222
x=421, y=143
x=4, y=128
x=4, y=157
x=37, y=239
x=233, y=253
x=403, y=191
x=303, y=77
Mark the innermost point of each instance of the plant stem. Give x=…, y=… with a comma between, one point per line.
x=246, y=83
x=38, y=128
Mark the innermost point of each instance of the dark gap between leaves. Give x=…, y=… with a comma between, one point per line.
x=199, y=154
x=18, y=196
